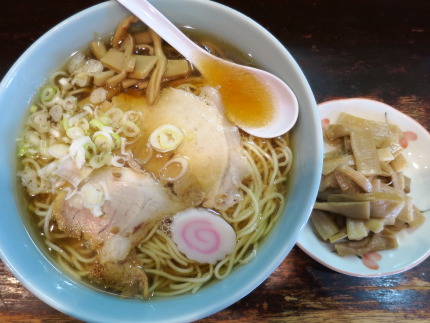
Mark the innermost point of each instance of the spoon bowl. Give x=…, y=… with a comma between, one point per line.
x=256, y=101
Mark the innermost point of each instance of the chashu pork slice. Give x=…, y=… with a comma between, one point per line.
x=211, y=146
x=134, y=202
x=227, y=193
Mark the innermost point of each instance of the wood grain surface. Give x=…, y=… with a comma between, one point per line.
x=377, y=49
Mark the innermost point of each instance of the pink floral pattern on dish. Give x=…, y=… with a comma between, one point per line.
x=407, y=136
x=370, y=260
x=324, y=123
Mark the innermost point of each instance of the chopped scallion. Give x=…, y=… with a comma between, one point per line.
x=48, y=93
x=105, y=120
x=23, y=149
x=90, y=149
x=33, y=108
x=97, y=124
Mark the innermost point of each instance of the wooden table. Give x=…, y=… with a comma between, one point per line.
x=377, y=49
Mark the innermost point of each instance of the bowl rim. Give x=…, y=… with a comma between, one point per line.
x=73, y=298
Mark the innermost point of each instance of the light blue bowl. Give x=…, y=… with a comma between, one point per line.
x=41, y=277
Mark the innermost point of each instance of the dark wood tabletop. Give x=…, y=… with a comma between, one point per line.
x=377, y=49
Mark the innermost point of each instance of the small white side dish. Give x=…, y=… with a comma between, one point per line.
x=414, y=244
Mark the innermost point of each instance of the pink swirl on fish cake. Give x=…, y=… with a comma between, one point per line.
x=202, y=235
x=201, y=232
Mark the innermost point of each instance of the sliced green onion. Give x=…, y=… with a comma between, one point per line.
x=105, y=120
x=58, y=150
x=132, y=116
x=130, y=129
x=118, y=161
x=103, y=141
x=48, y=93
x=166, y=138
x=31, y=152
x=40, y=121
x=98, y=95
x=56, y=112
x=32, y=138
x=115, y=115
x=93, y=66
x=33, y=108
x=70, y=103
x=83, y=124
x=101, y=160
x=65, y=122
x=90, y=149
x=116, y=139
x=81, y=79
x=75, y=132
x=43, y=149
x=79, y=149
x=23, y=149
x=97, y=124
x=92, y=195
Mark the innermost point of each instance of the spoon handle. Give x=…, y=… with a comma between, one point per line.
x=154, y=19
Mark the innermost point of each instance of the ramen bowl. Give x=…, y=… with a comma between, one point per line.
x=31, y=263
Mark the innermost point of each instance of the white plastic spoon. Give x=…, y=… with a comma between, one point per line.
x=256, y=101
